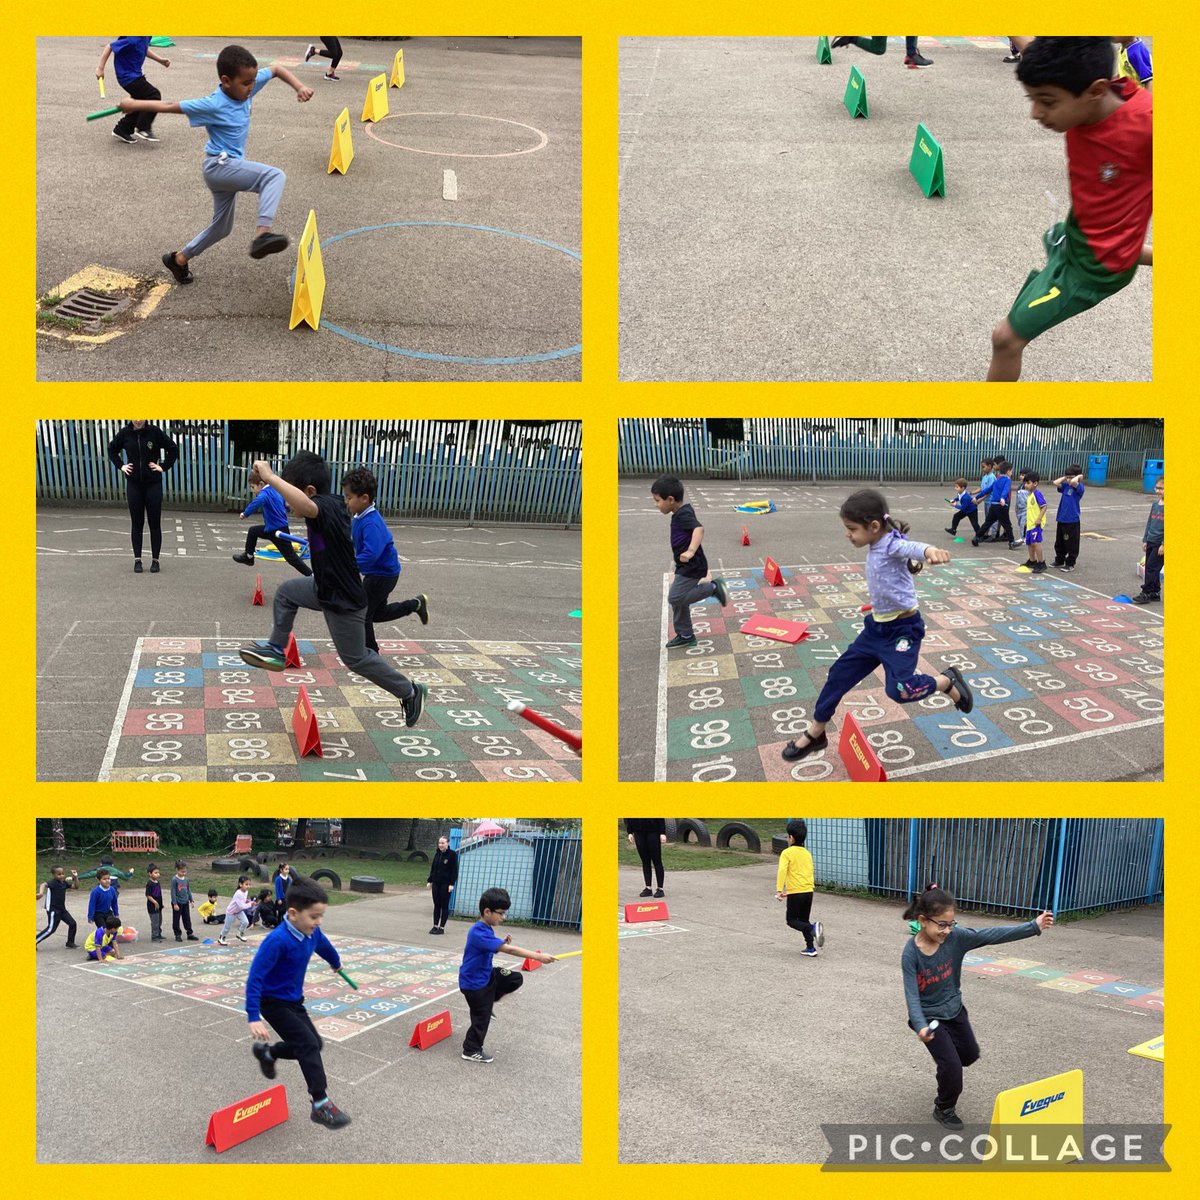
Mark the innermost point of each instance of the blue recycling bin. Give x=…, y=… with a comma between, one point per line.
x=1097, y=470
x=1152, y=472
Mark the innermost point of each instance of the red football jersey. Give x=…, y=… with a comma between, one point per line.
x=1111, y=169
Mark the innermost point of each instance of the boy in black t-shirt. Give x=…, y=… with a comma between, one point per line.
x=53, y=893
x=691, y=566
x=334, y=588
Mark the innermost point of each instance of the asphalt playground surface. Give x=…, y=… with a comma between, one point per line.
x=400, y=1100
x=494, y=274
x=767, y=235
x=742, y=1048
x=806, y=529
x=491, y=582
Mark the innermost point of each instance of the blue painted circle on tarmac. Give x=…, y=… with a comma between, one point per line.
x=430, y=356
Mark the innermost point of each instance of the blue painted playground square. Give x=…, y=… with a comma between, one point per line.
x=392, y=980
x=1050, y=662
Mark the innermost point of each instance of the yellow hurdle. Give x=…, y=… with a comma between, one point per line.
x=376, y=106
x=398, y=70
x=310, y=277
x=341, y=153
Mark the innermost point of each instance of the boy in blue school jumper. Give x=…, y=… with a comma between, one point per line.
x=1066, y=520
x=480, y=982
x=375, y=553
x=275, y=523
x=128, y=55
x=964, y=506
x=226, y=115
x=997, y=495
x=275, y=995
x=102, y=902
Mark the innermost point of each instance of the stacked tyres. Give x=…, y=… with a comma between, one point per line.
x=685, y=827
x=335, y=880
x=671, y=831
x=779, y=844
x=738, y=829
x=365, y=883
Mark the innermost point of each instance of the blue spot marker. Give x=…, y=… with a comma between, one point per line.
x=1122, y=599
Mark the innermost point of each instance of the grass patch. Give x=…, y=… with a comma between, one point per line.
x=51, y=300
x=1128, y=485
x=50, y=317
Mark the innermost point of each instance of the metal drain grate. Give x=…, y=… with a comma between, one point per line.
x=88, y=305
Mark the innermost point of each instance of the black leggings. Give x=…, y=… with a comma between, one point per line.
x=650, y=850
x=145, y=504
x=953, y=1047
x=281, y=542
x=140, y=89
x=301, y=1041
x=441, y=904
x=969, y=515
x=332, y=51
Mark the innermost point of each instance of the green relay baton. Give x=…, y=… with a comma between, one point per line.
x=347, y=979
x=104, y=112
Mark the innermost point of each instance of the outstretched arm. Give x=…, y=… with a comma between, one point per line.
x=166, y=62
x=103, y=59
x=302, y=93
x=127, y=104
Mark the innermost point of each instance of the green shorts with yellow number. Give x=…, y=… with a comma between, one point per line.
x=1071, y=282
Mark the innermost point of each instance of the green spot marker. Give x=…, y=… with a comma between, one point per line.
x=958, y=539
x=577, y=613
x=348, y=979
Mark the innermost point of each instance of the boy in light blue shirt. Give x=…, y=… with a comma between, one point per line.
x=226, y=115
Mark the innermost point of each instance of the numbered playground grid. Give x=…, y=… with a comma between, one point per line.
x=193, y=711
x=644, y=928
x=1048, y=662
x=1075, y=983
x=392, y=980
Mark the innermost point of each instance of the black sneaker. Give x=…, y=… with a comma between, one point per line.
x=423, y=608
x=154, y=567
x=191, y=937
x=678, y=641
x=1069, y=567
x=268, y=243
x=265, y=1060
x=1144, y=598
x=312, y=49
x=659, y=893
x=124, y=137
x=949, y=530
x=1040, y=568
x=965, y=701
x=1016, y=545
x=839, y=42
x=414, y=704
x=434, y=929
x=720, y=591
x=792, y=753
x=145, y=135
x=974, y=541
x=947, y=1117
x=645, y=892
x=182, y=274
x=244, y=558
x=1012, y=58
x=479, y=1056
x=75, y=945
x=913, y=61
x=332, y=1117
x=137, y=566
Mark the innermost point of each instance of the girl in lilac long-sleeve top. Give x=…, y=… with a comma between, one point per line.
x=892, y=631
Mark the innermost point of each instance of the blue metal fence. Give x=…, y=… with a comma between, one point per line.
x=929, y=449
x=469, y=471
x=541, y=869
x=1010, y=865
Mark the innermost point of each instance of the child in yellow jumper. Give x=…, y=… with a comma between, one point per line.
x=795, y=883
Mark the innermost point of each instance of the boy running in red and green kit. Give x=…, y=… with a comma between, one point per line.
x=1097, y=250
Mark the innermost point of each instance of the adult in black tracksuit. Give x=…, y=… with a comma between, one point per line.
x=141, y=444
x=648, y=834
x=443, y=875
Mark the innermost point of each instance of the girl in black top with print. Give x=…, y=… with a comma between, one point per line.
x=141, y=443
x=443, y=875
